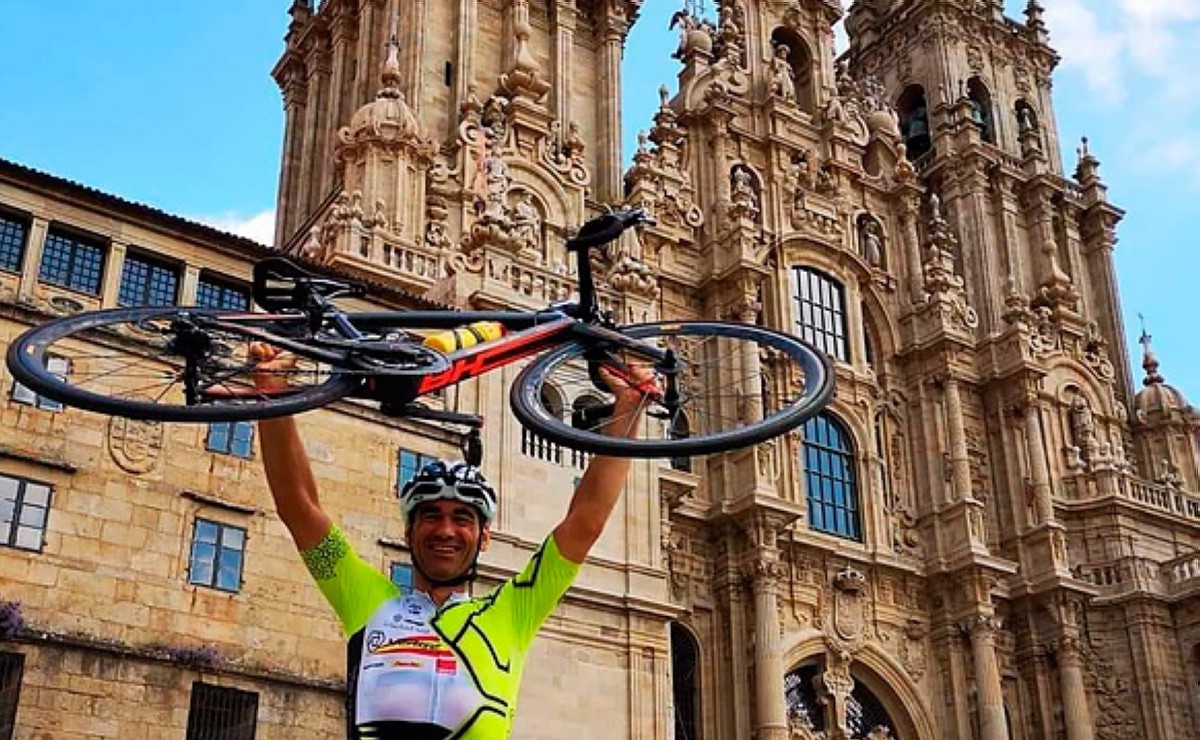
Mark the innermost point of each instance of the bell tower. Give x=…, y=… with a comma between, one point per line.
x=424, y=138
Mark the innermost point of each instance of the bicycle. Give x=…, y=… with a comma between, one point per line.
x=723, y=385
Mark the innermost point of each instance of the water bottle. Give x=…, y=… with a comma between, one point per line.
x=465, y=336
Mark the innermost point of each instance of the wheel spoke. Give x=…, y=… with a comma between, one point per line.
x=134, y=362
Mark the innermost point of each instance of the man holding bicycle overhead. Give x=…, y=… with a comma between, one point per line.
x=436, y=663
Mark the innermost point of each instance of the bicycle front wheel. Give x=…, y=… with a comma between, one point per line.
x=168, y=364
x=738, y=384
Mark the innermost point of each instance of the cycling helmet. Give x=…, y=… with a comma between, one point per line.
x=452, y=481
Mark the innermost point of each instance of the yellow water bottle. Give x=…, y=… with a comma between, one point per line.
x=465, y=336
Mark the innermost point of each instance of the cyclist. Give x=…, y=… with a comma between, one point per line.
x=436, y=663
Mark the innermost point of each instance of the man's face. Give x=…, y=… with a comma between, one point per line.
x=444, y=535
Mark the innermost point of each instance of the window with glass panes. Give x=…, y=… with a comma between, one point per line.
x=821, y=312
x=72, y=261
x=231, y=438
x=217, y=554
x=60, y=367
x=215, y=293
x=829, y=476
x=402, y=575
x=145, y=282
x=24, y=509
x=13, y=233
x=407, y=465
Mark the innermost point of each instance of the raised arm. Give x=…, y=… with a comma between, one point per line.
x=600, y=488
x=289, y=474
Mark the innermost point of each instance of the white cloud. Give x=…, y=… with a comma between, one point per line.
x=1077, y=35
x=260, y=227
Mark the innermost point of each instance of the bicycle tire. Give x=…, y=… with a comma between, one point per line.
x=529, y=403
x=27, y=360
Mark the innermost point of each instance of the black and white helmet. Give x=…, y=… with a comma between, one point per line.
x=449, y=481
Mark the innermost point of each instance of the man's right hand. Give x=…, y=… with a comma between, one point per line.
x=271, y=366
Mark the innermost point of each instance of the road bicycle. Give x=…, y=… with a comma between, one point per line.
x=721, y=386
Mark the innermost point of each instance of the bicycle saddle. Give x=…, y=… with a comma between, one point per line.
x=280, y=284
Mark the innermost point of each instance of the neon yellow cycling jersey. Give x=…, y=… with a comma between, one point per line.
x=422, y=673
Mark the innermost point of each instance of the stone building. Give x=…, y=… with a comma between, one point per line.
x=990, y=533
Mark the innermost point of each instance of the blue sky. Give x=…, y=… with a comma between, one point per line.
x=172, y=104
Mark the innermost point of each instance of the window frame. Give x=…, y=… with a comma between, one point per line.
x=16, y=522
x=12, y=673
x=25, y=225
x=213, y=708
x=406, y=567
x=231, y=439
x=835, y=503
x=78, y=242
x=151, y=264
x=225, y=286
x=28, y=397
x=422, y=459
x=219, y=548
x=834, y=340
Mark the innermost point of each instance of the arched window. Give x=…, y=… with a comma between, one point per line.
x=829, y=475
x=981, y=109
x=685, y=682
x=1027, y=117
x=803, y=692
x=800, y=60
x=821, y=312
x=914, y=121
x=680, y=429
x=553, y=400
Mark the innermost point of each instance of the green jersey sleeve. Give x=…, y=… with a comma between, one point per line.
x=352, y=587
x=536, y=590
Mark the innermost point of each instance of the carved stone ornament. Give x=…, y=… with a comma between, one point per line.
x=135, y=445
x=849, y=604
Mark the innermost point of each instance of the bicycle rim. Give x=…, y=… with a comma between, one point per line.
x=128, y=362
x=740, y=385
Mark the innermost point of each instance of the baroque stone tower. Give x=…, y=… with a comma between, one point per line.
x=987, y=533
x=406, y=149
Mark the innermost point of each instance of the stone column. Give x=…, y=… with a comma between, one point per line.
x=992, y=725
x=909, y=212
x=189, y=286
x=31, y=262
x=750, y=403
x=608, y=166
x=114, y=269
x=1039, y=469
x=960, y=461
x=1076, y=714
x=563, y=53
x=770, y=720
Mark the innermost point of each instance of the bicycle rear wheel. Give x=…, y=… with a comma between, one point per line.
x=739, y=385
x=168, y=364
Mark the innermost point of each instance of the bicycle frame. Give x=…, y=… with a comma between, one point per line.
x=527, y=334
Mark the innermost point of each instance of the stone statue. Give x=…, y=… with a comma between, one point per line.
x=782, y=83
x=496, y=181
x=743, y=195
x=574, y=145
x=687, y=23
x=871, y=238
x=526, y=221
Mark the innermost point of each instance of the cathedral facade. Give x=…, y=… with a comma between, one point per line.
x=991, y=532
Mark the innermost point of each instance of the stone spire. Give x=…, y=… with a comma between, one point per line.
x=1149, y=360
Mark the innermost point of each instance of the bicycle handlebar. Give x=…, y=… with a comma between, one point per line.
x=607, y=227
